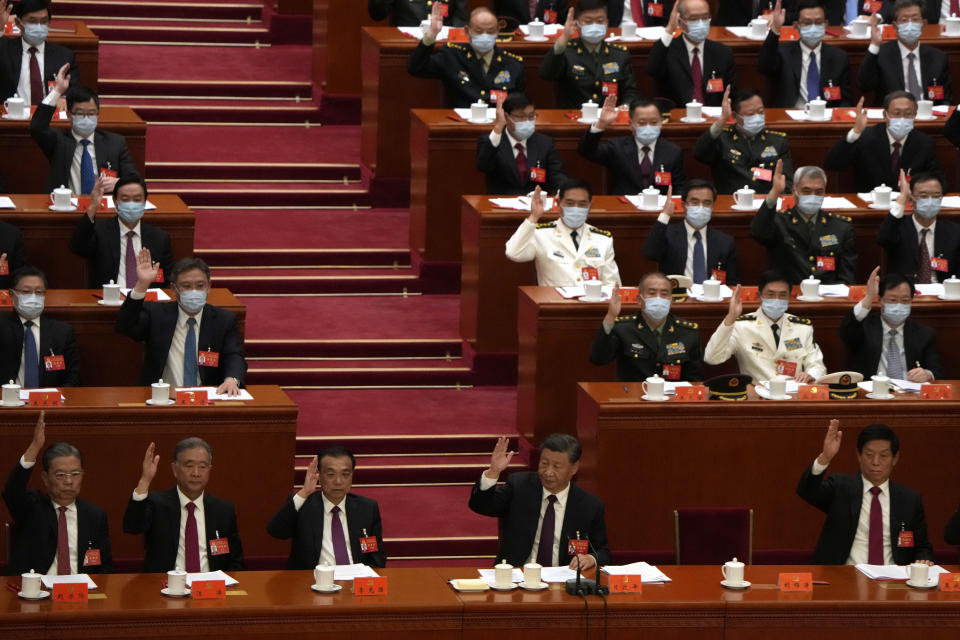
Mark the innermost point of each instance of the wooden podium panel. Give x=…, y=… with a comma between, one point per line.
x=253, y=445
x=651, y=457
x=440, y=141
x=23, y=165
x=555, y=336
x=108, y=358
x=47, y=234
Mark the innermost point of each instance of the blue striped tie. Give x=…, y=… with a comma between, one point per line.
x=31, y=361
x=88, y=178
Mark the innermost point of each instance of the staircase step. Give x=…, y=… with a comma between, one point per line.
x=179, y=32
x=303, y=196
x=308, y=364
x=168, y=9
x=232, y=258
x=250, y=171
x=388, y=282
x=125, y=89
x=430, y=374
x=321, y=272
x=419, y=444
x=415, y=474
x=284, y=113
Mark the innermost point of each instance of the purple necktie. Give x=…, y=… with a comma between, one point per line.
x=875, y=553
x=339, y=540
x=130, y=262
x=923, y=269
x=545, y=550
x=191, y=548
x=63, y=544
x=36, y=82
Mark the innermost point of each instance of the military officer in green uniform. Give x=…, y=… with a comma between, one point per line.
x=588, y=68
x=746, y=153
x=650, y=342
x=805, y=240
x=410, y=13
x=476, y=71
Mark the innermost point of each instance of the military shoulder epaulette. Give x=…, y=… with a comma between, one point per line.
x=630, y=317
x=618, y=46
x=513, y=55
x=602, y=232
x=457, y=46
x=747, y=316
x=777, y=133
x=546, y=225
x=799, y=320
x=688, y=324
x=841, y=217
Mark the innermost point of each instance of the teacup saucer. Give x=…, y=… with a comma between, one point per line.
x=740, y=207
x=40, y=596
x=484, y=121
x=513, y=585
x=810, y=298
x=589, y=299
x=764, y=393
x=107, y=303
x=692, y=120
x=540, y=587
x=542, y=39
x=730, y=585
x=336, y=587
x=170, y=594
x=7, y=116
x=61, y=209
x=930, y=117
x=874, y=396
x=18, y=403
x=651, y=399
x=929, y=585
x=944, y=296
x=882, y=207
x=168, y=402
x=585, y=121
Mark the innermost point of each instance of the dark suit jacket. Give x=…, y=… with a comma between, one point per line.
x=59, y=144
x=99, y=243
x=517, y=504
x=621, y=157
x=500, y=166
x=782, y=62
x=951, y=130
x=410, y=13
x=158, y=518
x=840, y=496
x=883, y=73
x=732, y=13
x=931, y=11
x=670, y=66
x=869, y=157
x=306, y=529
x=898, y=237
x=155, y=322
x=56, y=338
x=54, y=57
x=520, y=9
x=951, y=533
x=667, y=244
x=864, y=342
x=35, y=528
x=11, y=243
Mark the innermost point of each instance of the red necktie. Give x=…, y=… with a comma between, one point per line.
x=875, y=553
x=533, y=9
x=955, y=7
x=646, y=168
x=923, y=269
x=130, y=262
x=36, y=81
x=636, y=8
x=339, y=540
x=191, y=548
x=895, y=162
x=521, y=163
x=696, y=72
x=63, y=544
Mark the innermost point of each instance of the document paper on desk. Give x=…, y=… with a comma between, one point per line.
x=76, y=578
x=548, y=29
x=894, y=572
x=836, y=202
x=417, y=32
x=213, y=395
x=930, y=289
x=648, y=573
x=6, y=203
x=520, y=203
x=557, y=574
x=161, y=294
x=868, y=197
x=905, y=385
x=834, y=291
x=351, y=571
x=147, y=207
x=800, y=114
x=211, y=575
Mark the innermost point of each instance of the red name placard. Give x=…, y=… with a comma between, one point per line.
x=936, y=392
x=813, y=392
x=44, y=399
x=950, y=582
x=191, y=398
x=690, y=394
x=209, y=590
x=370, y=586
x=795, y=581
x=629, y=295
x=626, y=584
x=70, y=592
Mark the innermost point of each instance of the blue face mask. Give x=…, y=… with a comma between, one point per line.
x=130, y=212
x=593, y=33
x=896, y=314
x=812, y=34
x=30, y=305
x=192, y=301
x=698, y=217
x=900, y=128
x=647, y=134
x=83, y=126
x=574, y=217
x=754, y=124
x=928, y=208
x=698, y=30
x=524, y=129
x=656, y=308
x=809, y=205
x=773, y=308
x=909, y=32
x=483, y=43
x=35, y=34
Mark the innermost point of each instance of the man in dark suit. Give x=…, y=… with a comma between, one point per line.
x=808, y=69
x=889, y=343
x=951, y=533
x=189, y=343
x=870, y=519
x=586, y=68
x=877, y=153
x=110, y=245
x=546, y=11
x=922, y=246
x=57, y=532
x=690, y=247
x=185, y=527
x=515, y=158
x=652, y=342
x=543, y=515
x=691, y=67
x=77, y=157
x=331, y=526
x=36, y=351
x=478, y=70
x=410, y=13
x=934, y=11
x=11, y=252
x=732, y=13
x=639, y=161
x=31, y=52
x=905, y=64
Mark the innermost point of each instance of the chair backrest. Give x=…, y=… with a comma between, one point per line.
x=713, y=535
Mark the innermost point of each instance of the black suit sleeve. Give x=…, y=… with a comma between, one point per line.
x=166, y=259
x=851, y=332
x=678, y=176
x=657, y=60
x=604, y=347
x=377, y=559
x=84, y=240
x=494, y=502
x=132, y=320
x=768, y=60
x=554, y=65
x=763, y=227
x=655, y=246
x=138, y=516
x=486, y=154
x=930, y=358
x=235, y=561
x=707, y=148
x=732, y=265
x=816, y=489
x=868, y=79
x=379, y=9
x=71, y=357
x=16, y=257
x=15, y=494
x=923, y=550
x=598, y=537
x=842, y=154
x=951, y=533
x=40, y=129
x=422, y=63
x=843, y=81
x=127, y=166
x=234, y=364
x=951, y=130
x=888, y=236
x=106, y=553
x=847, y=258
x=283, y=524
x=556, y=175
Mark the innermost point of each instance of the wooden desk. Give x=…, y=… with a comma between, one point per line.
x=555, y=337
x=75, y=35
x=389, y=92
x=489, y=279
x=23, y=165
x=108, y=358
x=438, y=142
x=654, y=457
x=47, y=234
x=253, y=444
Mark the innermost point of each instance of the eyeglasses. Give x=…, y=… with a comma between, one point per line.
x=39, y=292
x=63, y=475
x=524, y=118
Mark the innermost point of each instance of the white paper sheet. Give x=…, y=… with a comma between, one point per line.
x=578, y=292
x=929, y=289
x=875, y=114
x=800, y=114
x=557, y=574
x=212, y=393
x=548, y=29
x=950, y=202
x=76, y=578
x=745, y=32
x=670, y=388
x=25, y=393
x=490, y=575
x=905, y=385
x=351, y=571
x=711, y=112
x=161, y=294
x=896, y=572
x=519, y=203
x=417, y=32
x=650, y=33
x=147, y=207
x=942, y=109
x=6, y=203
x=466, y=115
x=211, y=575
x=648, y=573
x=834, y=291
x=834, y=202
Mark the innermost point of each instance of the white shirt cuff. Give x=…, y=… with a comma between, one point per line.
x=896, y=210
x=860, y=312
x=666, y=38
x=715, y=130
x=486, y=483
x=136, y=295
x=297, y=501
x=593, y=129
x=663, y=218
x=817, y=468
x=607, y=327
x=558, y=48
x=52, y=98
x=852, y=136
x=25, y=464
x=138, y=497
x=429, y=42
x=495, y=138
x=874, y=49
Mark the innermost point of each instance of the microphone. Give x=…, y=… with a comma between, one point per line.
x=582, y=586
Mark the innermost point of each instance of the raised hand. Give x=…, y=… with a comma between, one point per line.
x=725, y=109
x=151, y=459
x=861, y=122
x=873, y=288
x=311, y=478
x=831, y=443
x=608, y=114
x=147, y=270
x=876, y=30
x=536, y=206
x=500, y=459
x=613, y=307
x=436, y=23
x=668, y=206
x=569, y=28
x=735, y=307
x=904, y=190
x=500, y=121
x=5, y=10
x=62, y=81
x=674, y=20
x=39, y=438
x=99, y=187
x=777, y=17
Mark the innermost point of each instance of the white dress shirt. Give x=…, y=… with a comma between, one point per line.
x=36, y=336
x=653, y=147
x=173, y=372
x=805, y=53
x=23, y=86
x=496, y=137
x=860, y=313
x=326, y=550
x=137, y=245
x=944, y=10
x=929, y=242
x=904, y=52
x=71, y=517
x=691, y=242
x=201, y=529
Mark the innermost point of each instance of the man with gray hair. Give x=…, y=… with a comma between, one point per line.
x=56, y=533
x=803, y=240
x=184, y=527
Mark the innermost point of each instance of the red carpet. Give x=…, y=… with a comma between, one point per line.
x=286, y=63
x=253, y=143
